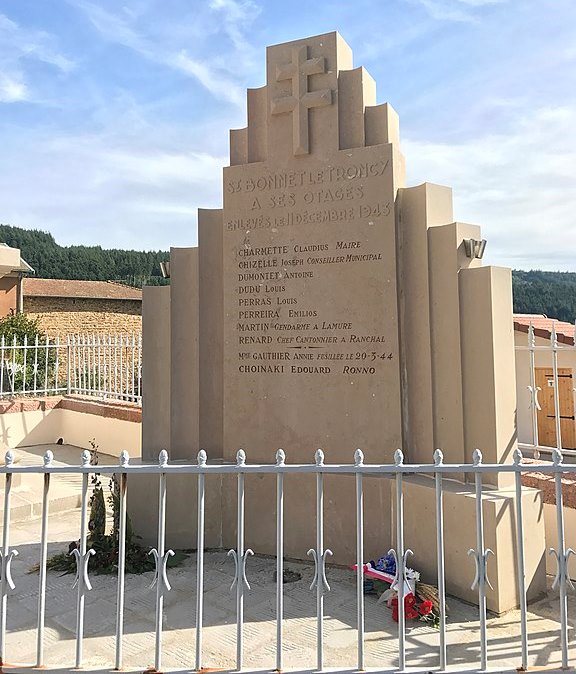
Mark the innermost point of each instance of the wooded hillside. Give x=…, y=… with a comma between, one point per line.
x=90, y=263
x=538, y=292
x=545, y=292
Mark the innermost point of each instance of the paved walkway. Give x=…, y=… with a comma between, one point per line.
x=260, y=628
x=27, y=489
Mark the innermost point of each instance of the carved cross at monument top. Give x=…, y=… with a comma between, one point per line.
x=301, y=100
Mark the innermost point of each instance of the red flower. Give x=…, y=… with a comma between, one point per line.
x=425, y=607
x=411, y=613
x=410, y=610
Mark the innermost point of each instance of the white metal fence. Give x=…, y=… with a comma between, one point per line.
x=106, y=366
x=320, y=585
x=552, y=351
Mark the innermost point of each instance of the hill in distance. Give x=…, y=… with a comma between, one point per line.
x=535, y=292
x=86, y=263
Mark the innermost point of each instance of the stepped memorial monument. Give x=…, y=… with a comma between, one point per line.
x=327, y=305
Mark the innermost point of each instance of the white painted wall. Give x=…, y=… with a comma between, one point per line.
x=22, y=429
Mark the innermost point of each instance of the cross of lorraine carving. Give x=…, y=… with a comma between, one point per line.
x=301, y=100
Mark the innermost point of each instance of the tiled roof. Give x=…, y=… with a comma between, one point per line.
x=101, y=290
x=543, y=327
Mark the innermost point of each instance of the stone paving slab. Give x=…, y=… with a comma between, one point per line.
x=260, y=628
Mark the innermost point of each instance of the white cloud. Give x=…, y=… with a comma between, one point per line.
x=12, y=89
x=519, y=186
x=218, y=85
x=454, y=10
x=18, y=47
x=237, y=17
x=126, y=186
x=188, y=51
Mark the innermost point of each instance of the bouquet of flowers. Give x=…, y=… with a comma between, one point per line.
x=420, y=599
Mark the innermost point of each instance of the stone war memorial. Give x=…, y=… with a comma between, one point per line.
x=327, y=305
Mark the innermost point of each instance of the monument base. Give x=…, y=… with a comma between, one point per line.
x=300, y=515
x=340, y=524
x=498, y=507
x=181, y=510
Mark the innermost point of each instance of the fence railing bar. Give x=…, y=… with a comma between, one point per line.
x=520, y=561
x=46, y=353
x=557, y=418
x=90, y=364
x=319, y=555
x=480, y=556
x=81, y=365
x=123, y=485
x=200, y=562
x=106, y=357
x=562, y=556
x=24, y=359
x=139, y=363
x=78, y=365
x=240, y=560
x=121, y=365
x=400, y=563
x=13, y=381
x=438, y=459
x=99, y=347
x=280, y=460
x=386, y=470
x=358, y=460
x=533, y=388
x=48, y=457
x=133, y=367
x=35, y=367
x=57, y=364
x=116, y=365
x=82, y=558
x=69, y=368
x=7, y=555
x=161, y=556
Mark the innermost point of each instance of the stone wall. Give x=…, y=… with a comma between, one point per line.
x=67, y=315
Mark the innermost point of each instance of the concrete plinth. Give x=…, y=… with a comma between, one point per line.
x=181, y=510
x=498, y=507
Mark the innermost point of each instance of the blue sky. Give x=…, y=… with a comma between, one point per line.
x=114, y=114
